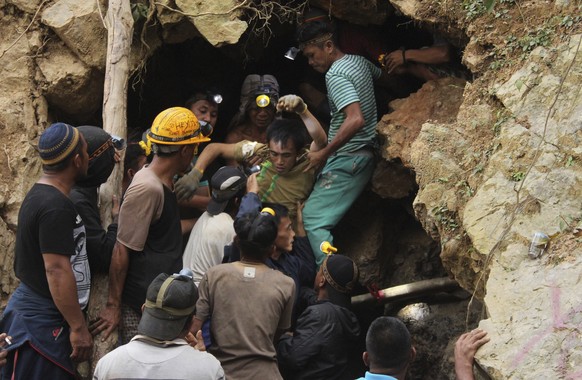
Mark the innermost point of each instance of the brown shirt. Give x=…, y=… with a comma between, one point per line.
x=142, y=205
x=247, y=304
x=286, y=189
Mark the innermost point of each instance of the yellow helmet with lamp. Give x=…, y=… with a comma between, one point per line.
x=177, y=126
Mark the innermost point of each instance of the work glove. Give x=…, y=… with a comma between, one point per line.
x=291, y=103
x=185, y=187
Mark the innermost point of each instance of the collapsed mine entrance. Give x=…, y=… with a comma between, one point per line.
x=381, y=234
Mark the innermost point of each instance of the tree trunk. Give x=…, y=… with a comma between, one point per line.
x=119, y=23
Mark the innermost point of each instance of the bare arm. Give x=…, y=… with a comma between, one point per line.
x=199, y=200
x=353, y=122
x=315, y=131
x=187, y=225
x=299, y=220
x=63, y=288
x=185, y=188
x=110, y=316
x=431, y=55
x=465, y=349
x=212, y=152
x=294, y=103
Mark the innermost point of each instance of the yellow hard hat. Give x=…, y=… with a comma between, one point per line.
x=176, y=126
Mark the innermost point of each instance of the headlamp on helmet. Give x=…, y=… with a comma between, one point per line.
x=266, y=95
x=175, y=126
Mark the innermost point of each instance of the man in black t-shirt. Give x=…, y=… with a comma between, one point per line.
x=44, y=315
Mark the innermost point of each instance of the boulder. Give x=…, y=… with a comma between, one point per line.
x=79, y=24
x=28, y=6
x=474, y=56
x=22, y=115
x=216, y=21
x=437, y=100
x=176, y=27
x=366, y=12
x=67, y=77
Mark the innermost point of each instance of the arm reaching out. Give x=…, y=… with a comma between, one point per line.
x=465, y=350
x=353, y=122
x=185, y=187
x=293, y=103
x=111, y=315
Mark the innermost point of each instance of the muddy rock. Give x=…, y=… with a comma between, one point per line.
x=67, y=77
x=176, y=27
x=216, y=21
x=19, y=125
x=79, y=24
x=474, y=56
x=438, y=101
x=367, y=12
x=29, y=6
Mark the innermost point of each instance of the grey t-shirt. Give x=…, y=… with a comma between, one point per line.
x=248, y=304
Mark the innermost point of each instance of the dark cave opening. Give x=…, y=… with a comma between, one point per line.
x=173, y=72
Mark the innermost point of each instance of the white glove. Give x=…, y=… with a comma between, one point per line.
x=185, y=187
x=291, y=103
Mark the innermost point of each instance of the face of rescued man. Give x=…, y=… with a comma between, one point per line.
x=282, y=156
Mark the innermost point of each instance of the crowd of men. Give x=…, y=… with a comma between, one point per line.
x=251, y=294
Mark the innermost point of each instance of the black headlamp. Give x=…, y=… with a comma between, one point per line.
x=265, y=96
x=214, y=97
x=118, y=142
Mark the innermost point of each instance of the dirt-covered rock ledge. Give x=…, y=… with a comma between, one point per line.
x=508, y=166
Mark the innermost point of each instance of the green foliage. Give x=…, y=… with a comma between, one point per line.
x=569, y=21
x=465, y=189
x=570, y=161
x=518, y=45
x=139, y=11
x=478, y=168
x=540, y=37
x=474, y=8
x=501, y=13
x=488, y=4
x=503, y=115
x=517, y=176
x=445, y=217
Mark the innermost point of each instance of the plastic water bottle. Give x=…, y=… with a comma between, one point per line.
x=538, y=245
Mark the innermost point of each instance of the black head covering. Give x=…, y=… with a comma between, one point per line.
x=101, y=156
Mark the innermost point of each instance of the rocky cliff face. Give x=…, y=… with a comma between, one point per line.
x=492, y=161
x=508, y=166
